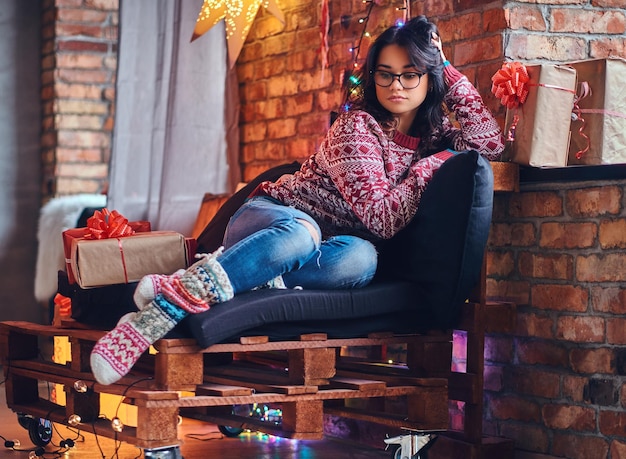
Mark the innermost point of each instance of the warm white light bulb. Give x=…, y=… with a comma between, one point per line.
x=117, y=425
x=74, y=420
x=80, y=386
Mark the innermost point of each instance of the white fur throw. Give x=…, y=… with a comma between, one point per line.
x=55, y=217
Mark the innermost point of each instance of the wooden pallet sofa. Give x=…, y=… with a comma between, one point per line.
x=290, y=348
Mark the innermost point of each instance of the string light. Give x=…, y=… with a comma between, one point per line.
x=80, y=386
x=67, y=443
x=74, y=420
x=37, y=452
x=116, y=424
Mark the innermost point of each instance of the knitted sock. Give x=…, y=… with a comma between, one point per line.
x=116, y=352
x=192, y=291
x=201, y=285
x=149, y=287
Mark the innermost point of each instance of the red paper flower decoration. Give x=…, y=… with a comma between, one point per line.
x=107, y=224
x=510, y=84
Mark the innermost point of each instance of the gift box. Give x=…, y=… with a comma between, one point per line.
x=599, y=126
x=538, y=130
x=119, y=260
x=78, y=233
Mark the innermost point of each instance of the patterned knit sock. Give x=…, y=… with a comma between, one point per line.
x=149, y=287
x=201, y=285
x=116, y=352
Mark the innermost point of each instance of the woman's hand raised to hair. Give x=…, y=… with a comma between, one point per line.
x=436, y=40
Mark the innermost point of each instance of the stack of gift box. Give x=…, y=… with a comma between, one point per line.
x=105, y=259
x=564, y=114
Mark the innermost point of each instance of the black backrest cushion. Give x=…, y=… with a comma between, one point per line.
x=213, y=234
x=441, y=250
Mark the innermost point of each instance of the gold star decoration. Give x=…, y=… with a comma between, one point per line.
x=238, y=15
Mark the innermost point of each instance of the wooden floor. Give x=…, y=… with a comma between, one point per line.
x=199, y=441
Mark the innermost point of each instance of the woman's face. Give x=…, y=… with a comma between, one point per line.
x=402, y=102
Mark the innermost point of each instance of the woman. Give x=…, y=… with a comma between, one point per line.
x=316, y=228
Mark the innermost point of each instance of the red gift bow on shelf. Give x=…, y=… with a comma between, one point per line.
x=106, y=224
x=510, y=84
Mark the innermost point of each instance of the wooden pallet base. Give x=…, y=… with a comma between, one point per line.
x=304, y=378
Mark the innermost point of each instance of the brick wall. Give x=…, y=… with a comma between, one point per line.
x=286, y=98
x=79, y=60
x=557, y=385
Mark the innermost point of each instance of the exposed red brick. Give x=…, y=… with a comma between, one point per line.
x=527, y=17
x=534, y=325
x=618, y=449
x=607, y=47
x=560, y=297
x=536, y=204
x=494, y=379
x=551, y=47
x=532, y=436
x=595, y=360
x=512, y=234
x=616, y=331
x=569, y=417
x=499, y=349
x=594, y=201
x=531, y=381
x=479, y=50
x=574, y=388
x=610, y=267
x=283, y=128
x=79, y=45
x=612, y=234
x=516, y=291
x=512, y=407
x=542, y=352
x=587, y=21
x=583, y=329
x=558, y=266
x=612, y=423
x=500, y=264
x=609, y=299
x=579, y=447
x=567, y=235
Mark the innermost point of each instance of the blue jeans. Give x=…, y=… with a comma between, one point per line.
x=265, y=239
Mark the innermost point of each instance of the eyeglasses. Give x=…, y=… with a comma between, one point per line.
x=408, y=80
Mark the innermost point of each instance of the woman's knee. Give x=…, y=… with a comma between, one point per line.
x=313, y=230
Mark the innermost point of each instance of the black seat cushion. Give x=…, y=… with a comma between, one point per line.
x=425, y=272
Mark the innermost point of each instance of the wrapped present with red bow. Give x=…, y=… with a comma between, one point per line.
x=599, y=120
x=539, y=101
x=111, y=250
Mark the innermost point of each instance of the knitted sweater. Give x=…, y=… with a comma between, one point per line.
x=366, y=182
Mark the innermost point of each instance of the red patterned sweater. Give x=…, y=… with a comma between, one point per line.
x=364, y=182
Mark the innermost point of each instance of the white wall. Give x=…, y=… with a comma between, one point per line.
x=20, y=170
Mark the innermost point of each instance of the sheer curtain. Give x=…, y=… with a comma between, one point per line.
x=175, y=136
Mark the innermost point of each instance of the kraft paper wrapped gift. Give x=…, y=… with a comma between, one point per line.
x=100, y=262
x=69, y=235
x=603, y=111
x=541, y=124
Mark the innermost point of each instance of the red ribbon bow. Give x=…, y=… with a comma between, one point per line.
x=510, y=84
x=107, y=224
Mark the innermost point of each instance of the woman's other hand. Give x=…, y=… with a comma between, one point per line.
x=436, y=40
